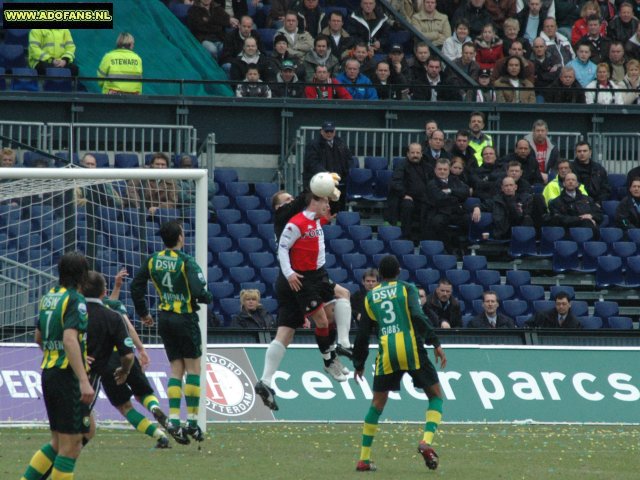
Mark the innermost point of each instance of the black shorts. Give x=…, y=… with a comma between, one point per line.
x=317, y=289
x=180, y=334
x=423, y=377
x=137, y=383
x=61, y=392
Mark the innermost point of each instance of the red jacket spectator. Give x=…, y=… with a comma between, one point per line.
x=580, y=29
x=488, y=54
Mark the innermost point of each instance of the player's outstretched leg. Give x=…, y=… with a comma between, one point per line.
x=41, y=463
x=369, y=431
x=192, y=397
x=267, y=394
x=342, y=318
x=433, y=418
x=174, y=392
x=429, y=455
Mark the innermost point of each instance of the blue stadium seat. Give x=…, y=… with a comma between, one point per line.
x=58, y=80
x=177, y=158
x=228, y=216
x=269, y=275
x=228, y=308
x=609, y=271
x=469, y=292
x=382, y=181
x=338, y=275
x=404, y=275
x=377, y=258
x=26, y=81
x=163, y=215
x=401, y=37
x=387, y=233
x=371, y=247
x=247, y=202
x=266, y=190
x=221, y=202
x=486, y=278
x=346, y=219
x=236, y=189
x=543, y=305
x=504, y=292
x=231, y=259
x=427, y=276
x=241, y=274
x=618, y=182
x=413, y=262
x=431, y=248
x=590, y=323
x=580, y=235
x=473, y=263
x=591, y=252
x=249, y=245
x=219, y=244
x=609, y=208
x=261, y=259
x=624, y=250
x=340, y=246
x=521, y=320
x=610, y=235
x=223, y=176
x=632, y=275
x=606, y=309
x=260, y=286
x=352, y=287
x=352, y=261
x=457, y=278
x=531, y=293
x=376, y=163
x=220, y=289
x=266, y=232
x=484, y=225
x=266, y=38
x=555, y=289
x=3, y=80
x=401, y=247
x=514, y=308
x=476, y=306
x=126, y=160
x=523, y=242
x=332, y=232
x=258, y=217
x=17, y=36
x=359, y=183
x=620, y=323
x=442, y=263
x=517, y=278
x=466, y=319
x=214, y=274
x=633, y=234
x=180, y=10
x=359, y=232
x=565, y=256
x=470, y=203
x=330, y=260
x=65, y=156
x=12, y=57
x=548, y=238
x=270, y=305
x=579, y=308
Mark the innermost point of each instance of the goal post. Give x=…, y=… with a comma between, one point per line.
x=45, y=212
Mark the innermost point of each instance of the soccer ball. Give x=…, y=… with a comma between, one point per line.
x=322, y=184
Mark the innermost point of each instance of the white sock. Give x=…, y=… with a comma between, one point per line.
x=272, y=359
x=343, y=321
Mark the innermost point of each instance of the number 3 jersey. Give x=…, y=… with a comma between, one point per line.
x=178, y=280
x=401, y=325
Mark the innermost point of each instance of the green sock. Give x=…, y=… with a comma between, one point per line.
x=174, y=392
x=192, y=397
x=150, y=402
x=368, y=432
x=63, y=468
x=140, y=422
x=433, y=417
x=40, y=463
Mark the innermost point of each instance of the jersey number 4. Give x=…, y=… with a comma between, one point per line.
x=166, y=281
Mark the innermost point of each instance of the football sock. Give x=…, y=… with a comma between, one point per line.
x=192, y=397
x=140, y=423
x=63, y=468
x=434, y=416
x=150, y=402
x=343, y=321
x=272, y=359
x=369, y=431
x=40, y=463
x=174, y=392
x=323, y=340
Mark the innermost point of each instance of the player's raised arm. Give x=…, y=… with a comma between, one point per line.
x=361, y=345
x=197, y=283
x=139, y=290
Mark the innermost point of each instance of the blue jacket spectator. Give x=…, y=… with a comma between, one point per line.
x=356, y=83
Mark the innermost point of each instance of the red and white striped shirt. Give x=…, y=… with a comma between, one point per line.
x=301, y=246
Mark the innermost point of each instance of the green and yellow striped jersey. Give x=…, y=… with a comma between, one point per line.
x=61, y=309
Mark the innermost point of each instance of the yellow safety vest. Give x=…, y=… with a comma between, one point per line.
x=487, y=141
x=45, y=45
x=117, y=65
x=553, y=189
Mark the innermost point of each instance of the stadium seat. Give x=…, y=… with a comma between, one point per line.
x=486, y=278
x=221, y=202
x=427, y=276
x=620, y=323
x=473, y=263
x=338, y=275
x=382, y=181
x=548, y=238
x=247, y=202
x=591, y=252
x=632, y=275
x=376, y=163
x=609, y=271
x=238, y=230
x=266, y=190
x=126, y=160
x=352, y=261
x=241, y=274
x=266, y=232
x=523, y=242
x=266, y=38
x=236, y=189
x=3, y=80
x=180, y=10
x=377, y=258
x=624, y=250
x=269, y=275
x=579, y=308
x=26, y=80
x=261, y=259
x=555, y=289
x=610, y=235
x=371, y=247
x=633, y=234
x=514, y=308
x=12, y=57
x=404, y=275
x=609, y=208
x=359, y=232
x=466, y=319
x=618, y=182
x=504, y=292
x=543, y=305
x=220, y=289
x=565, y=256
x=476, y=306
x=16, y=36
x=340, y=246
x=352, y=287
x=58, y=80
x=484, y=225
x=531, y=293
x=431, y=248
x=332, y=232
x=580, y=235
x=258, y=217
x=442, y=263
x=457, y=278
x=223, y=176
x=517, y=278
x=270, y=305
x=401, y=37
x=387, y=233
x=590, y=322
x=255, y=285
x=401, y=247
x=228, y=216
x=330, y=260
x=469, y=292
x=219, y=244
x=214, y=274
x=228, y=308
x=606, y=309
x=359, y=183
x=177, y=158
x=413, y=262
x=521, y=320
x=345, y=219
x=249, y=245
x=231, y=259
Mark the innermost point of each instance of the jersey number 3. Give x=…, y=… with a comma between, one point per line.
x=390, y=315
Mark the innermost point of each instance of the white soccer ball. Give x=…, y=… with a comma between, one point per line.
x=322, y=184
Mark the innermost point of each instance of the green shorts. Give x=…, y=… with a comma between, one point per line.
x=180, y=334
x=423, y=377
x=61, y=392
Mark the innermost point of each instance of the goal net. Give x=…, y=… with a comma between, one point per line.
x=111, y=215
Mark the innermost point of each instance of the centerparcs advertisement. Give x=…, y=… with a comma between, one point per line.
x=480, y=384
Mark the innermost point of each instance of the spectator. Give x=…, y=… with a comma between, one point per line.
x=602, y=90
x=430, y=126
x=488, y=47
x=516, y=49
x=515, y=87
x=565, y=88
x=599, y=43
x=159, y=194
x=370, y=25
x=511, y=31
x=320, y=55
x=580, y=27
x=206, y=21
x=490, y=317
x=452, y=46
x=628, y=210
x=485, y=93
x=328, y=153
x=591, y=174
x=514, y=170
x=252, y=313
x=52, y=48
x=631, y=82
x=445, y=306
x=310, y=17
x=278, y=56
x=339, y=40
x=557, y=44
x=438, y=87
x=485, y=178
x=299, y=42
x=287, y=84
x=462, y=149
x=418, y=64
x=234, y=42
x=7, y=158
x=478, y=138
x=525, y=157
x=364, y=55
x=445, y=206
x=279, y=8
x=431, y=23
x=475, y=13
x=187, y=190
x=554, y=187
x=560, y=316
x=458, y=170
x=100, y=194
x=632, y=47
x=501, y=11
x=370, y=279
x=623, y=25
x=250, y=56
x=616, y=61
x=324, y=87
x=400, y=73
x=573, y=209
x=383, y=82
x=546, y=153
x=121, y=69
x=545, y=67
x=467, y=62
x=252, y=86
x=549, y=5
x=584, y=68
x=408, y=191
x=567, y=12
x=357, y=84
x=531, y=19
x=435, y=149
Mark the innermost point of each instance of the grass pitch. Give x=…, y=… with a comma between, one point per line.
x=330, y=451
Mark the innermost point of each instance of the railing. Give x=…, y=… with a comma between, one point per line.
x=617, y=152
x=30, y=133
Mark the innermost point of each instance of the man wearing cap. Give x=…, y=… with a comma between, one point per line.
x=279, y=55
x=320, y=55
x=327, y=153
x=357, y=84
x=400, y=72
x=287, y=84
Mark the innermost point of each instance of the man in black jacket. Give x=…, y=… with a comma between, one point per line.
x=484, y=179
x=445, y=307
x=565, y=88
x=628, y=211
x=573, y=209
x=591, y=174
x=527, y=160
x=558, y=317
x=490, y=318
x=234, y=40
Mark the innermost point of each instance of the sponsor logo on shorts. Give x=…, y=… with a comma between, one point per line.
x=86, y=421
x=229, y=389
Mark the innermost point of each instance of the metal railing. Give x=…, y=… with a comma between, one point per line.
x=616, y=152
x=29, y=133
